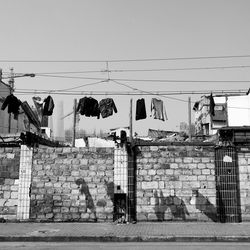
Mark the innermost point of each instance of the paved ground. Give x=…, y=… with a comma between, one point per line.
x=148, y=232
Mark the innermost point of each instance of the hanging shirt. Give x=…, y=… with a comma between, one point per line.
x=39, y=106
x=88, y=106
x=13, y=104
x=107, y=106
x=158, y=110
x=140, y=109
x=211, y=105
x=48, y=106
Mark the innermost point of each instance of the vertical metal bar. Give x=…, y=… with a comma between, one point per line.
x=74, y=124
x=189, y=119
x=131, y=121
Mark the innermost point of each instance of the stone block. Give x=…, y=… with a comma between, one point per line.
x=147, y=178
x=205, y=160
x=152, y=172
x=161, y=184
x=57, y=197
x=150, y=185
x=6, y=194
x=187, y=160
x=141, y=217
x=9, y=182
x=156, y=178
x=85, y=216
x=177, y=160
x=14, y=195
x=196, y=160
x=201, y=165
x=243, y=162
x=153, y=148
x=174, y=166
x=205, y=171
x=196, y=172
x=152, y=217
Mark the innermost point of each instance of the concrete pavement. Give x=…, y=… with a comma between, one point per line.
x=143, y=231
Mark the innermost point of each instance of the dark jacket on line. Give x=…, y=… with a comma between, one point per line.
x=88, y=106
x=107, y=106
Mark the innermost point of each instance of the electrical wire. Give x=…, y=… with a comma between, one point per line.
x=128, y=60
x=151, y=93
x=148, y=80
x=140, y=70
x=84, y=85
x=139, y=92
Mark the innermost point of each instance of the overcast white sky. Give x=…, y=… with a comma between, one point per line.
x=87, y=30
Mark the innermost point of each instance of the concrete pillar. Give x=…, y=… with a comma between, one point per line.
x=23, y=205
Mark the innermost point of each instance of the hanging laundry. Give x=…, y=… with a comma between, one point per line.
x=48, y=106
x=158, y=110
x=211, y=105
x=39, y=106
x=13, y=104
x=31, y=115
x=196, y=106
x=106, y=107
x=88, y=106
x=140, y=110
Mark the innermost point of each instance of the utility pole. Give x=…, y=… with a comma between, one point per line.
x=189, y=119
x=74, y=124
x=11, y=84
x=131, y=121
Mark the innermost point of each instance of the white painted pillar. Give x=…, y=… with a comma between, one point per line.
x=121, y=170
x=23, y=205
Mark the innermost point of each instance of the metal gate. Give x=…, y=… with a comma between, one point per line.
x=227, y=185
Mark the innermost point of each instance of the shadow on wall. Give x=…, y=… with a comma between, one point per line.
x=176, y=206
x=110, y=186
x=84, y=189
x=205, y=206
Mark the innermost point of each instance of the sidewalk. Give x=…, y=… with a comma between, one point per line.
x=143, y=231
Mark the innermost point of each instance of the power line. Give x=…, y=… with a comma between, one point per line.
x=137, y=92
x=151, y=93
x=139, y=70
x=148, y=80
x=128, y=60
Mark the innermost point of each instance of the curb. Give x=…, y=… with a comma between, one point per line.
x=125, y=239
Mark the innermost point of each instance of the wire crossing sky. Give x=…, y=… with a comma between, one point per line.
x=126, y=49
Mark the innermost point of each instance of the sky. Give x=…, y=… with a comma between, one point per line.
x=148, y=46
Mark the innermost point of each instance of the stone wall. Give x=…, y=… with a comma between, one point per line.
x=9, y=179
x=72, y=184
x=176, y=183
x=244, y=178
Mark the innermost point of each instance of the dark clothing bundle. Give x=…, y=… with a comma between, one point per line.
x=88, y=106
x=48, y=106
x=140, y=109
x=13, y=104
x=107, y=106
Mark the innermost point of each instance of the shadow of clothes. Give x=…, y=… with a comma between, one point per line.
x=173, y=203
x=205, y=206
x=84, y=189
x=110, y=186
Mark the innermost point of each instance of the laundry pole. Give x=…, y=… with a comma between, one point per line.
x=189, y=119
x=74, y=124
x=131, y=121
